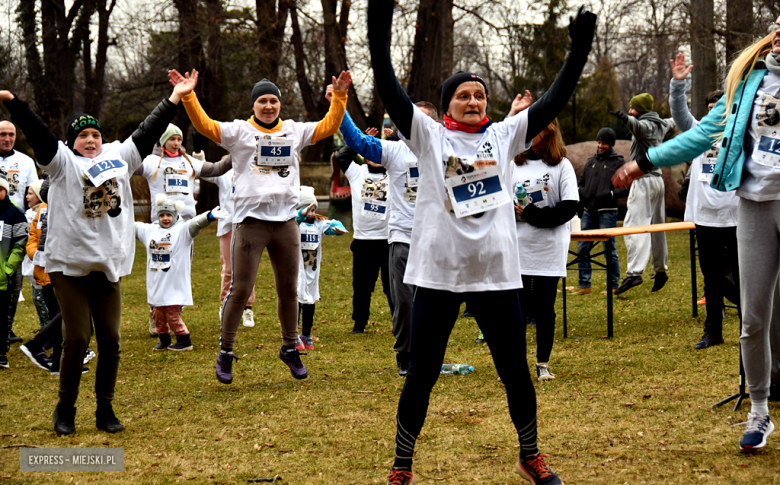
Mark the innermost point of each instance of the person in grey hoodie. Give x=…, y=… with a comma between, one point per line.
x=646, y=197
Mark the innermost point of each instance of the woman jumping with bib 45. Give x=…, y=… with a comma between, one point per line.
x=464, y=242
x=267, y=186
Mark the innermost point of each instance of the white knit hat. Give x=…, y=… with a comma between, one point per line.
x=36, y=187
x=307, y=197
x=166, y=205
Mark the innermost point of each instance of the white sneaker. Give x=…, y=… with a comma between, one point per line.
x=88, y=356
x=249, y=318
x=543, y=373
x=152, y=327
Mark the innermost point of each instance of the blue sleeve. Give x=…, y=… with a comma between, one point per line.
x=692, y=143
x=334, y=225
x=299, y=217
x=368, y=147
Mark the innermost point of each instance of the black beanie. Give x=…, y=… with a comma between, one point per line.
x=450, y=85
x=79, y=122
x=264, y=87
x=607, y=135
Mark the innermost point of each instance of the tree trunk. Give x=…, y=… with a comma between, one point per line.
x=705, y=70
x=432, y=55
x=214, y=93
x=270, y=32
x=52, y=79
x=190, y=53
x=739, y=26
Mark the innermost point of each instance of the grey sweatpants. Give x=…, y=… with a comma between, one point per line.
x=402, y=296
x=758, y=240
x=646, y=206
x=250, y=238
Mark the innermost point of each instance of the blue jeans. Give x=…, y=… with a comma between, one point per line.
x=603, y=220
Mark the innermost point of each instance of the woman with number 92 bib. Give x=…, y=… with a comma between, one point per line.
x=464, y=245
x=266, y=180
x=91, y=243
x=747, y=123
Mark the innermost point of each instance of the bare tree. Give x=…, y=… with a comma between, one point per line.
x=705, y=71
x=271, y=22
x=433, y=50
x=739, y=26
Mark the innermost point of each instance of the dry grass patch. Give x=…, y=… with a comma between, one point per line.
x=634, y=409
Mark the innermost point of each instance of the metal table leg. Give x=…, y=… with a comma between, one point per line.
x=607, y=256
x=695, y=307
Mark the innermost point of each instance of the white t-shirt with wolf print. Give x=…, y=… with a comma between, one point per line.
x=366, y=186
x=544, y=251
x=168, y=262
x=91, y=227
x=470, y=253
x=311, y=260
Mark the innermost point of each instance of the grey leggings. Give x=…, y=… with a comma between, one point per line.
x=758, y=243
x=250, y=238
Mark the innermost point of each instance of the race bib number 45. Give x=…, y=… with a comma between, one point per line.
x=477, y=191
x=274, y=153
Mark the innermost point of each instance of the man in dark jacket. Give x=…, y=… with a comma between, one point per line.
x=599, y=199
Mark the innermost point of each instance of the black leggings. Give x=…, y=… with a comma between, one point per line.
x=537, y=298
x=717, y=246
x=306, y=313
x=434, y=313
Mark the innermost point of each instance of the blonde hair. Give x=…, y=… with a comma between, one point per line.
x=162, y=155
x=742, y=66
x=553, y=149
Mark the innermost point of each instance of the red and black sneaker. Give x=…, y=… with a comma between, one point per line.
x=536, y=471
x=400, y=477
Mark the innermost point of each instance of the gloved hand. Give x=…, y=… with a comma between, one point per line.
x=582, y=29
x=620, y=115
x=218, y=213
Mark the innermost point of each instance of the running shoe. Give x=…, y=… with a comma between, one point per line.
x=38, y=359
x=708, y=340
x=299, y=344
x=225, y=367
x=628, y=283
x=582, y=291
x=292, y=357
x=536, y=471
x=543, y=373
x=480, y=338
x=758, y=429
x=249, y=318
x=702, y=300
x=4, y=361
x=88, y=356
x=308, y=343
x=660, y=280
x=400, y=477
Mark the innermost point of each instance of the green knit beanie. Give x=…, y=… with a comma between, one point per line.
x=642, y=103
x=169, y=132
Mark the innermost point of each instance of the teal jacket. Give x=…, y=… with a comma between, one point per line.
x=731, y=158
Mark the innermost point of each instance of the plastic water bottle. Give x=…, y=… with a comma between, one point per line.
x=521, y=194
x=576, y=224
x=456, y=369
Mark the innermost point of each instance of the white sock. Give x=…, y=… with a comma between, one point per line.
x=759, y=407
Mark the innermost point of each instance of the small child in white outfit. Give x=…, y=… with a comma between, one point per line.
x=312, y=227
x=168, y=245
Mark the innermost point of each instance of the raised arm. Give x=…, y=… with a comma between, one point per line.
x=200, y=120
x=679, y=106
x=151, y=129
x=329, y=125
x=38, y=134
x=216, y=169
x=396, y=101
x=544, y=111
x=201, y=221
x=344, y=158
x=368, y=147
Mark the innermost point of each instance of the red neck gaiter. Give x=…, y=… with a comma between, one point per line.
x=451, y=124
x=170, y=154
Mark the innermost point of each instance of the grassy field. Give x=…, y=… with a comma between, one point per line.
x=633, y=410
